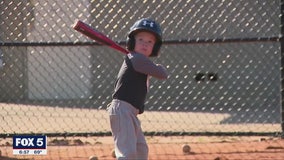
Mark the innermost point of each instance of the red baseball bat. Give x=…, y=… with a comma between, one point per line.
x=97, y=36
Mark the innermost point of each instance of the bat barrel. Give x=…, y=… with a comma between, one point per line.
x=96, y=35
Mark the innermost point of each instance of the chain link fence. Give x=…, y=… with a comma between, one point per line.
x=223, y=58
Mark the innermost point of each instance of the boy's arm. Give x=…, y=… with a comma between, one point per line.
x=144, y=65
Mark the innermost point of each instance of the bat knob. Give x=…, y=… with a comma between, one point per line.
x=77, y=24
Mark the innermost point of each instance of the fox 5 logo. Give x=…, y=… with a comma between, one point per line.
x=29, y=142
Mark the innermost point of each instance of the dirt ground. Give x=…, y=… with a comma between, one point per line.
x=160, y=148
x=45, y=120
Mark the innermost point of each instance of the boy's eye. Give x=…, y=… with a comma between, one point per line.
x=145, y=41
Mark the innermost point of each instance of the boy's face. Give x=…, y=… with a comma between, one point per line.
x=144, y=43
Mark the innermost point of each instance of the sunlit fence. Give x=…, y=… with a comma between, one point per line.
x=223, y=58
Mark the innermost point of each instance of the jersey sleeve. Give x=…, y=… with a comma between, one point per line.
x=143, y=64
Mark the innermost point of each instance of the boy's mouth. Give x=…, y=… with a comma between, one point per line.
x=144, y=49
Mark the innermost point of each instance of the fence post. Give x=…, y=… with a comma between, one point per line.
x=282, y=68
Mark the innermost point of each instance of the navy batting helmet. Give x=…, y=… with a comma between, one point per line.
x=147, y=25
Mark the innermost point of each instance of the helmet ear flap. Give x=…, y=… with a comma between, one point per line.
x=130, y=44
x=156, y=49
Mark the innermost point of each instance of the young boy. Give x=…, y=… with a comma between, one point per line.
x=144, y=40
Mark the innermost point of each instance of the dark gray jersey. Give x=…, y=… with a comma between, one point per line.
x=131, y=83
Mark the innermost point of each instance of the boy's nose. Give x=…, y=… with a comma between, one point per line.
x=144, y=43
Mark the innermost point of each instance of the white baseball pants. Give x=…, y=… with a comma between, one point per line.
x=129, y=140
